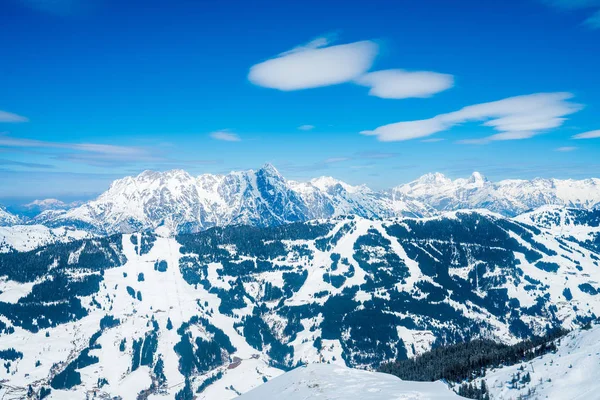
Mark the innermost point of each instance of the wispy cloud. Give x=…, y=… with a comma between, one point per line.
x=6, y=116
x=514, y=118
x=593, y=22
x=9, y=141
x=226, y=136
x=333, y=160
x=374, y=155
x=315, y=64
x=433, y=140
x=306, y=127
x=105, y=155
x=400, y=84
x=367, y=159
x=587, y=135
x=25, y=164
x=566, y=149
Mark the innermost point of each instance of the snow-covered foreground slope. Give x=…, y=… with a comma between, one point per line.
x=216, y=313
x=29, y=237
x=572, y=373
x=340, y=383
x=151, y=323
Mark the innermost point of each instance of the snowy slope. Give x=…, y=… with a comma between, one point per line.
x=166, y=297
x=214, y=314
x=340, y=383
x=7, y=219
x=508, y=197
x=29, y=237
x=571, y=373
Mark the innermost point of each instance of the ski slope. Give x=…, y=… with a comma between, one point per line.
x=572, y=373
x=333, y=382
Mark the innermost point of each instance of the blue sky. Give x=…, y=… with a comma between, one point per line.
x=369, y=92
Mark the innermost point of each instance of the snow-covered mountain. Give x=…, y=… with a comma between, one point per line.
x=213, y=314
x=334, y=382
x=185, y=203
x=508, y=197
x=41, y=205
x=328, y=197
x=7, y=218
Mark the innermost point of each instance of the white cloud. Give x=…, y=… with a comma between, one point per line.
x=588, y=135
x=519, y=117
x=5, y=116
x=226, y=136
x=566, y=149
x=314, y=65
x=306, y=127
x=400, y=84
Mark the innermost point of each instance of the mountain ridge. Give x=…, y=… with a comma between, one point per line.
x=186, y=203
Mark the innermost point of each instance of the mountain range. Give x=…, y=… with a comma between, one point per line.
x=185, y=203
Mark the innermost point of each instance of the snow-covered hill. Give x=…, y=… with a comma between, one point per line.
x=509, y=197
x=29, y=237
x=340, y=383
x=214, y=314
x=572, y=372
x=7, y=219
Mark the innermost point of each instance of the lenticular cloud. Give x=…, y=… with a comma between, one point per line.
x=315, y=65
x=399, y=84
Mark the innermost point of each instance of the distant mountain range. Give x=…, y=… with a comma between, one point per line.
x=508, y=197
x=185, y=203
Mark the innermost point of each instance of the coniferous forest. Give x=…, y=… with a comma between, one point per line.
x=461, y=363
